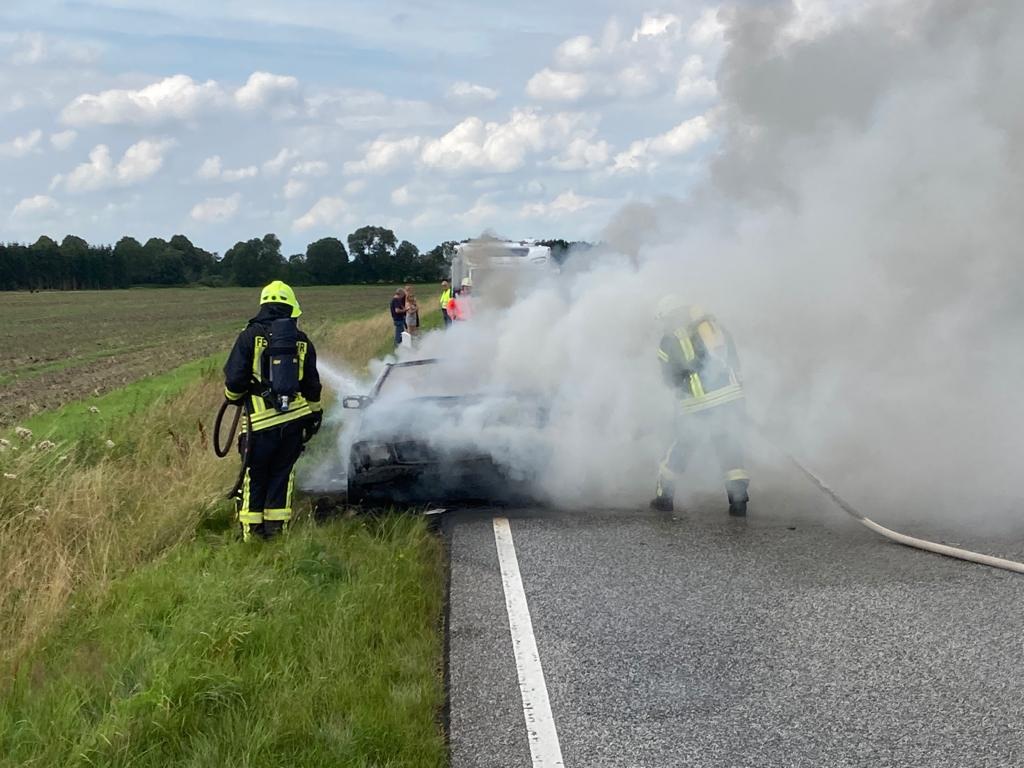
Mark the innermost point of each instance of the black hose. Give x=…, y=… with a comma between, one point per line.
x=222, y=449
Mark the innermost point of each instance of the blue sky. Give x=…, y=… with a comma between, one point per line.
x=310, y=118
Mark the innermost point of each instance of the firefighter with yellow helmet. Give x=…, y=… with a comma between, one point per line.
x=699, y=362
x=272, y=371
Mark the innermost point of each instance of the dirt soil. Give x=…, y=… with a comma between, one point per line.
x=64, y=346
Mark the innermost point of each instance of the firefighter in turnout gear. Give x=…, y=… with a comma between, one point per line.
x=699, y=361
x=272, y=371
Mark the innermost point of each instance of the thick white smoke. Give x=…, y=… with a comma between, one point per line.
x=859, y=234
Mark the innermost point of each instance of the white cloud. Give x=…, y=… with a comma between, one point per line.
x=483, y=212
x=401, y=196
x=694, y=85
x=464, y=91
x=20, y=146
x=34, y=49
x=649, y=62
x=13, y=102
x=280, y=161
x=212, y=170
x=237, y=174
x=645, y=154
x=498, y=147
x=582, y=154
x=566, y=203
x=326, y=211
x=216, y=209
x=707, y=30
x=553, y=85
x=577, y=53
x=62, y=140
x=178, y=97
x=294, y=188
x=310, y=168
x=142, y=160
x=653, y=25
x=35, y=207
x=139, y=162
x=354, y=187
x=265, y=89
x=636, y=81
x=383, y=154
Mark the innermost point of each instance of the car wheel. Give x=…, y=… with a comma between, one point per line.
x=355, y=496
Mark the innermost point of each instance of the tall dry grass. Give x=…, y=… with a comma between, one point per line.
x=77, y=515
x=357, y=342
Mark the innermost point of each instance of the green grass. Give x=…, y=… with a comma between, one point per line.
x=139, y=631
x=319, y=650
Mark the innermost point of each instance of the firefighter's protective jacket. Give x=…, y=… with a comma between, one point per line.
x=245, y=373
x=699, y=361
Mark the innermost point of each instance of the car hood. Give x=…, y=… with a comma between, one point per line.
x=504, y=428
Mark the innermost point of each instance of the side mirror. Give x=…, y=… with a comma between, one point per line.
x=356, y=402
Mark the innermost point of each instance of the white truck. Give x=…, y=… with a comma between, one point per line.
x=501, y=269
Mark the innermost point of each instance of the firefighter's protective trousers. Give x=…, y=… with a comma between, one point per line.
x=267, y=489
x=723, y=427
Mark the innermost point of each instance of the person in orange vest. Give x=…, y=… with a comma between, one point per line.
x=460, y=307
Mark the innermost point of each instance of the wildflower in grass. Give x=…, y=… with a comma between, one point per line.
x=45, y=445
x=39, y=509
x=5, y=443
x=23, y=433
x=110, y=443
x=93, y=409
x=9, y=476
x=62, y=458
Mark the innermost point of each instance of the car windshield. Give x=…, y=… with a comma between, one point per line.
x=427, y=380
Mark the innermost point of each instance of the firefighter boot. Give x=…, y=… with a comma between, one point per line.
x=662, y=500
x=738, y=498
x=252, y=531
x=271, y=528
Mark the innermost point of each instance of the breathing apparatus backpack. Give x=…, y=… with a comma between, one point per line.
x=281, y=363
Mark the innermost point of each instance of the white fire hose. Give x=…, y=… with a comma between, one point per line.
x=899, y=538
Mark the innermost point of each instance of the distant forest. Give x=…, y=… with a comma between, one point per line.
x=373, y=255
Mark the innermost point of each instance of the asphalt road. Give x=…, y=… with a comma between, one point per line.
x=793, y=638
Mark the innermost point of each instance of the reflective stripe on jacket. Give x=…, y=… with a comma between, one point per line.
x=244, y=377
x=699, y=361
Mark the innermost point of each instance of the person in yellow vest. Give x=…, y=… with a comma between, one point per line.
x=446, y=296
x=272, y=366
x=699, y=362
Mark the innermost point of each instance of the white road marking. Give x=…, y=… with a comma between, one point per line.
x=540, y=725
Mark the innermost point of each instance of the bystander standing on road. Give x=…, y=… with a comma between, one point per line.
x=398, y=314
x=446, y=296
x=412, y=311
x=460, y=307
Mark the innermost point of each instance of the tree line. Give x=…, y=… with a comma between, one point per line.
x=373, y=255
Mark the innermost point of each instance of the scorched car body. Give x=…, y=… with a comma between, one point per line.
x=425, y=435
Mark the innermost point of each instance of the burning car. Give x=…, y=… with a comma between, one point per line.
x=428, y=433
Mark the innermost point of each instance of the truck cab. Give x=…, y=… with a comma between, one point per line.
x=500, y=270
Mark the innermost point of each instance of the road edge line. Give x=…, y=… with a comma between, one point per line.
x=540, y=723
